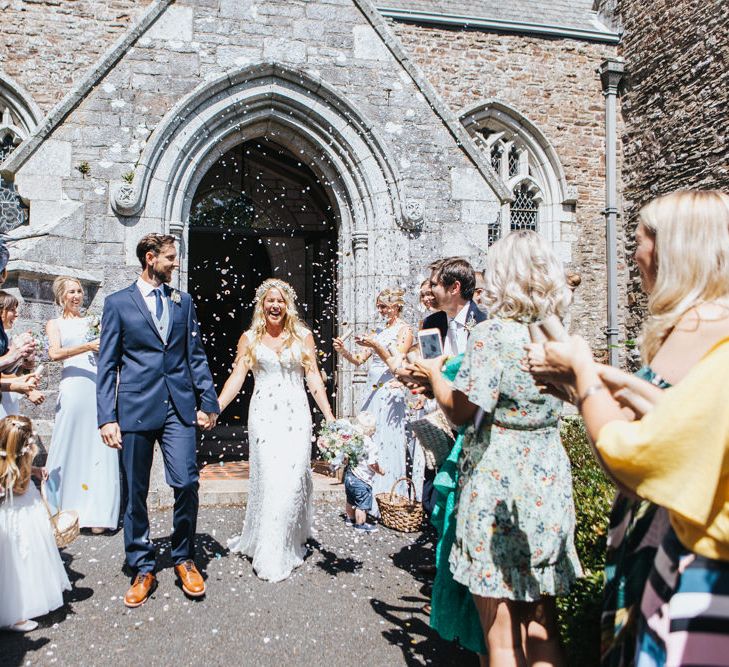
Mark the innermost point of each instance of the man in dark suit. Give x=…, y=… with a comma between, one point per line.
x=150, y=344
x=452, y=283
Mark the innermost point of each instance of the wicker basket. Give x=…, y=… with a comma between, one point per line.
x=435, y=436
x=398, y=512
x=65, y=523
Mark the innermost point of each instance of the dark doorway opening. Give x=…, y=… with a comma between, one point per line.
x=259, y=212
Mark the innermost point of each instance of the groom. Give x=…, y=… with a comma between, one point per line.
x=150, y=343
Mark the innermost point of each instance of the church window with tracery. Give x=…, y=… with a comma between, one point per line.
x=524, y=209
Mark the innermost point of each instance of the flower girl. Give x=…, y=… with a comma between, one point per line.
x=32, y=576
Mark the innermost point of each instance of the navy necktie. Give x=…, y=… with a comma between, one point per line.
x=158, y=302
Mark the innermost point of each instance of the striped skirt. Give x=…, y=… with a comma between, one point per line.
x=684, y=610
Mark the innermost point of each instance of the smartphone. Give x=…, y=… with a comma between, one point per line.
x=553, y=328
x=431, y=344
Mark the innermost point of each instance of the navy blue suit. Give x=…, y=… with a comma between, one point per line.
x=439, y=319
x=153, y=390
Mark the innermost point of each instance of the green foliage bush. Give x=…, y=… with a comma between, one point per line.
x=579, y=614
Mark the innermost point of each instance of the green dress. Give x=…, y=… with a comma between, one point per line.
x=515, y=516
x=453, y=613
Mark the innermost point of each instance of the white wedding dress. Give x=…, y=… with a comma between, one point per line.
x=279, y=510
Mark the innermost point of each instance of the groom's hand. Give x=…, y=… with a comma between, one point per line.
x=206, y=420
x=111, y=435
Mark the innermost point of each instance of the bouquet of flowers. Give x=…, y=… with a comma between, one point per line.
x=94, y=330
x=341, y=443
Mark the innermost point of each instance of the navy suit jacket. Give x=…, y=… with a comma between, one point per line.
x=150, y=372
x=439, y=319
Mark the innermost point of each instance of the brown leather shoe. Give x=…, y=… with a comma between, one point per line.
x=142, y=587
x=191, y=580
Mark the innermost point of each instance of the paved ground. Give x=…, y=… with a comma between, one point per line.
x=357, y=600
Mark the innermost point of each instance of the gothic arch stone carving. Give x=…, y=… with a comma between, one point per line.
x=297, y=109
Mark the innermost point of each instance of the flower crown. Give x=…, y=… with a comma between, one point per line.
x=278, y=284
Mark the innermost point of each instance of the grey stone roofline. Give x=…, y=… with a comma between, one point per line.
x=600, y=34
x=56, y=116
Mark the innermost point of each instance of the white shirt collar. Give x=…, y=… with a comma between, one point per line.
x=145, y=288
x=461, y=316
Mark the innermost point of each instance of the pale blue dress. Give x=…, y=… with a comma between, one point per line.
x=387, y=403
x=84, y=472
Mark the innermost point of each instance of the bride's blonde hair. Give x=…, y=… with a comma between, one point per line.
x=294, y=329
x=17, y=450
x=691, y=255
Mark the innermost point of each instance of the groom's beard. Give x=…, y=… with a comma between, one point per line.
x=163, y=277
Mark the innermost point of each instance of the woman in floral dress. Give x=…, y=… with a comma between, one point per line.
x=514, y=546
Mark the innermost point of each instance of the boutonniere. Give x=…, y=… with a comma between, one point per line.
x=470, y=323
x=175, y=296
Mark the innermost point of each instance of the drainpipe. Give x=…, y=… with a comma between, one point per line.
x=611, y=74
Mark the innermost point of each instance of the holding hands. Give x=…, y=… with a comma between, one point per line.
x=206, y=420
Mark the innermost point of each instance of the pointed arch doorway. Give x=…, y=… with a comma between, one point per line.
x=258, y=212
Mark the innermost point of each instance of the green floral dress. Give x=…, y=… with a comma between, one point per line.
x=516, y=517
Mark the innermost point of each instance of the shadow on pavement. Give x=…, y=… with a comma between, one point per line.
x=331, y=563
x=418, y=642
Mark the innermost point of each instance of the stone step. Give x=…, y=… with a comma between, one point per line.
x=227, y=484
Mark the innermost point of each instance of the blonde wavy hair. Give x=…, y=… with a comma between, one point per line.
x=17, y=451
x=392, y=296
x=294, y=329
x=524, y=279
x=691, y=229
x=60, y=287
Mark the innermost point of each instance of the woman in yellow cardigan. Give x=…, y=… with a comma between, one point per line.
x=677, y=456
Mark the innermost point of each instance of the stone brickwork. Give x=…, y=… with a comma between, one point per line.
x=674, y=106
x=327, y=58
x=553, y=83
x=46, y=45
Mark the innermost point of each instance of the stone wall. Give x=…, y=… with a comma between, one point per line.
x=195, y=43
x=46, y=45
x=553, y=83
x=674, y=106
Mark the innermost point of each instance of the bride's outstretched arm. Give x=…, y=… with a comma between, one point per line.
x=237, y=376
x=315, y=383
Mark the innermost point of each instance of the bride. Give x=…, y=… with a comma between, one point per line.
x=280, y=351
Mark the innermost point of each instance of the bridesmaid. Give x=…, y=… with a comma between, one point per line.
x=386, y=399
x=84, y=470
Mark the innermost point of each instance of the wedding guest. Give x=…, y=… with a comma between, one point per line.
x=479, y=291
x=32, y=576
x=11, y=355
x=10, y=400
x=677, y=456
x=358, y=479
x=425, y=301
x=452, y=283
x=514, y=546
x=681, y=241
x=452, y=610
x=84, y=473
x=386, y=399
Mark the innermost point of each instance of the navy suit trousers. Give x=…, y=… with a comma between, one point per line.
x=177, y=442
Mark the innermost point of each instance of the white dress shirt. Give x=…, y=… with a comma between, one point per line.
x=457, y=339
x=147, y=291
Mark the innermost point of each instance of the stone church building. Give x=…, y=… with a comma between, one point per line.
x=341, y=145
